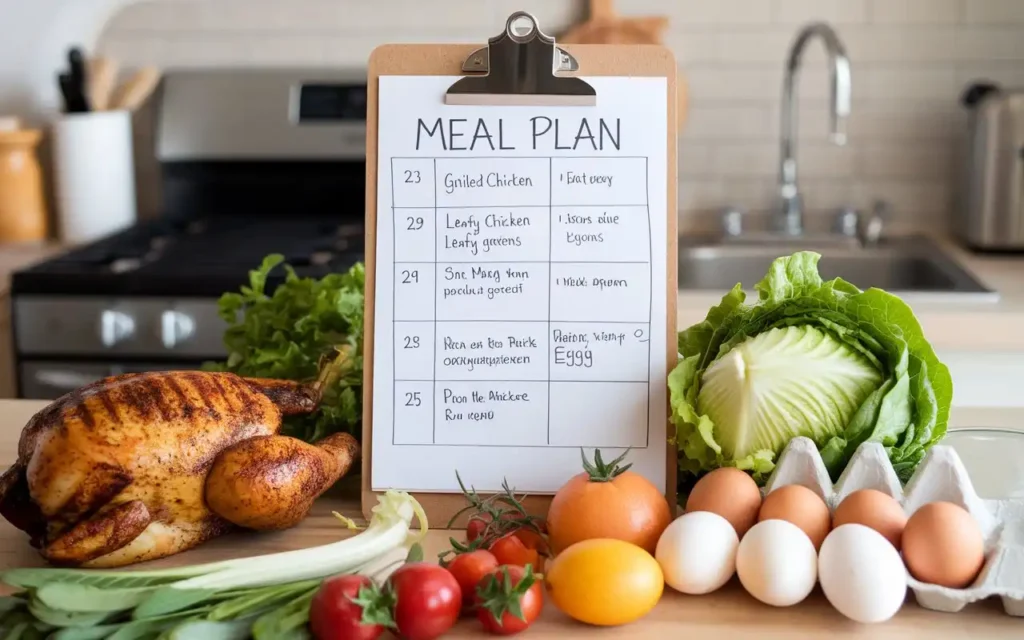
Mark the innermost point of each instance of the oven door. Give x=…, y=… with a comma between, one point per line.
x=48, y=380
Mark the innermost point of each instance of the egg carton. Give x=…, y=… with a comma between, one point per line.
x=941, y=476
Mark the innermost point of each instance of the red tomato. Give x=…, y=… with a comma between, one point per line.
x=475, y=527
x=503, y=610
x=532, y=540
x=343, y=610
x=468, y=569
x=428, y=600
x=510, y=550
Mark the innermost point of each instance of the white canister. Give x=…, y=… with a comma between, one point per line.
x=94, y=172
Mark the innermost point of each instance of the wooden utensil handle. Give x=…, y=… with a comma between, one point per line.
x=102, y=74
x=134, y=92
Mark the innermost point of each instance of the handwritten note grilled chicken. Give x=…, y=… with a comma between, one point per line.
x=142, y=466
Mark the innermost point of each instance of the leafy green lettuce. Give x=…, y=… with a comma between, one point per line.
x=284, y=335
x=813, y=358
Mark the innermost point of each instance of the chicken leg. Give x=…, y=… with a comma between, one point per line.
x=99, y=535
x=270, y=482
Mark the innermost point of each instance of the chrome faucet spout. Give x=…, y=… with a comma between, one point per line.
x=791, y=214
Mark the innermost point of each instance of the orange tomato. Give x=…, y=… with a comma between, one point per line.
x=607, y=501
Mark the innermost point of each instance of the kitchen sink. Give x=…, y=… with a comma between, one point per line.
x=912, y=265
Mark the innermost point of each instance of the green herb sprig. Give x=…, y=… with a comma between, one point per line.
x=287, y=333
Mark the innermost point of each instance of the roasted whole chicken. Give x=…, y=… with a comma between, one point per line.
x=141, y=466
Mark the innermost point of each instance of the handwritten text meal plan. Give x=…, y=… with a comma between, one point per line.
x=520, y=287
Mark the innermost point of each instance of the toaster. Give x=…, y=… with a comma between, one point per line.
x=990, y=214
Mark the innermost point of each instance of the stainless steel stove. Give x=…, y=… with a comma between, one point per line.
x=252, y=162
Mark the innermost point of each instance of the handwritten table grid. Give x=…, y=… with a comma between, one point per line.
x=521, y=286
x=409, y=215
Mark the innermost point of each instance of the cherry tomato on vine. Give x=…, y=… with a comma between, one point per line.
x=509, y=600
x=532, y=540
x=344, y=609
x=511, y=550
x=469, y=568
x=428, y=600
x=475, y=527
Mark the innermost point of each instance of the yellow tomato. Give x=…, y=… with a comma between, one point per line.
x=605, y=582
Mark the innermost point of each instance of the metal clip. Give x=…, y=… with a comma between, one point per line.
x=525, y=60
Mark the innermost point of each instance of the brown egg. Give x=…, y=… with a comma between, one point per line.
x=875, y=510
x=797, y=504
x=730, y=493
x=943, y=545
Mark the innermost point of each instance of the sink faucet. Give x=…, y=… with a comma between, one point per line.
x=791, y=214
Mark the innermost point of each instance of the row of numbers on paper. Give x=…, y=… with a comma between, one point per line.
x=518, y=182
x=523, y=351
x=497, y=234
x=523, y=292
x=544, y=413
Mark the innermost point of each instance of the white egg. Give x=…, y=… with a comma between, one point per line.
x=776, y=563
x=862, y=574
x=697, y=552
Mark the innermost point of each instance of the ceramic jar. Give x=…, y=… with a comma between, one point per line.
x=22, y=202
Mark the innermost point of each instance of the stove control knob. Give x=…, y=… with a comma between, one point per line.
x=176, y=327
x=115, y=327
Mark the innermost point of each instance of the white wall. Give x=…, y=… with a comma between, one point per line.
x=34, y=38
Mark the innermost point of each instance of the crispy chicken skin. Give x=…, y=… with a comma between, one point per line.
x=141, y=466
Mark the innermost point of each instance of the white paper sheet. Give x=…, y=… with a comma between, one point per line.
x=520, y=292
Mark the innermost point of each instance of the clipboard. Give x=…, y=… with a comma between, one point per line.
x=520, y=66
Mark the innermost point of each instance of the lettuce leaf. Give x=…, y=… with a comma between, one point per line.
x=907, y=411
x=285, y=332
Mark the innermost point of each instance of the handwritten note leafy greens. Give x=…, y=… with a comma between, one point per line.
x=813, y=358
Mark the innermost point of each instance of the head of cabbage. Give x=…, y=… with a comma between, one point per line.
x=813, y=358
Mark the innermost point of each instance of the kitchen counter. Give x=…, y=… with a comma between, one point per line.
x=951, y=325
x=728, y=613
x=17, y=256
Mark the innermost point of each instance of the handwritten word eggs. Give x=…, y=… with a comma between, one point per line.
x=776, y=563
x=803, y=507
x=873, y=509
x=862, y=574
x=697, y=552
x=943, y=545
x=730, y=493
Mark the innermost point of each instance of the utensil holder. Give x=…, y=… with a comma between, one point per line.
x=94, y=172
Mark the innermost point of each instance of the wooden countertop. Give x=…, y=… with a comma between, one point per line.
x=14, y=256
x=728, y=613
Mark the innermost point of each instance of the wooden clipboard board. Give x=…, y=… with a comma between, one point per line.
x=453, y=60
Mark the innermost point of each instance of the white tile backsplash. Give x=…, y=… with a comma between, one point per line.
x=709, y=122
x=889, y=160
x=1007, y=73
x=911, y=60
x=838, y=12
x=930, y=12
x=990, y=44
x=900, y=83
x=745, y=159
x=999, y=12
